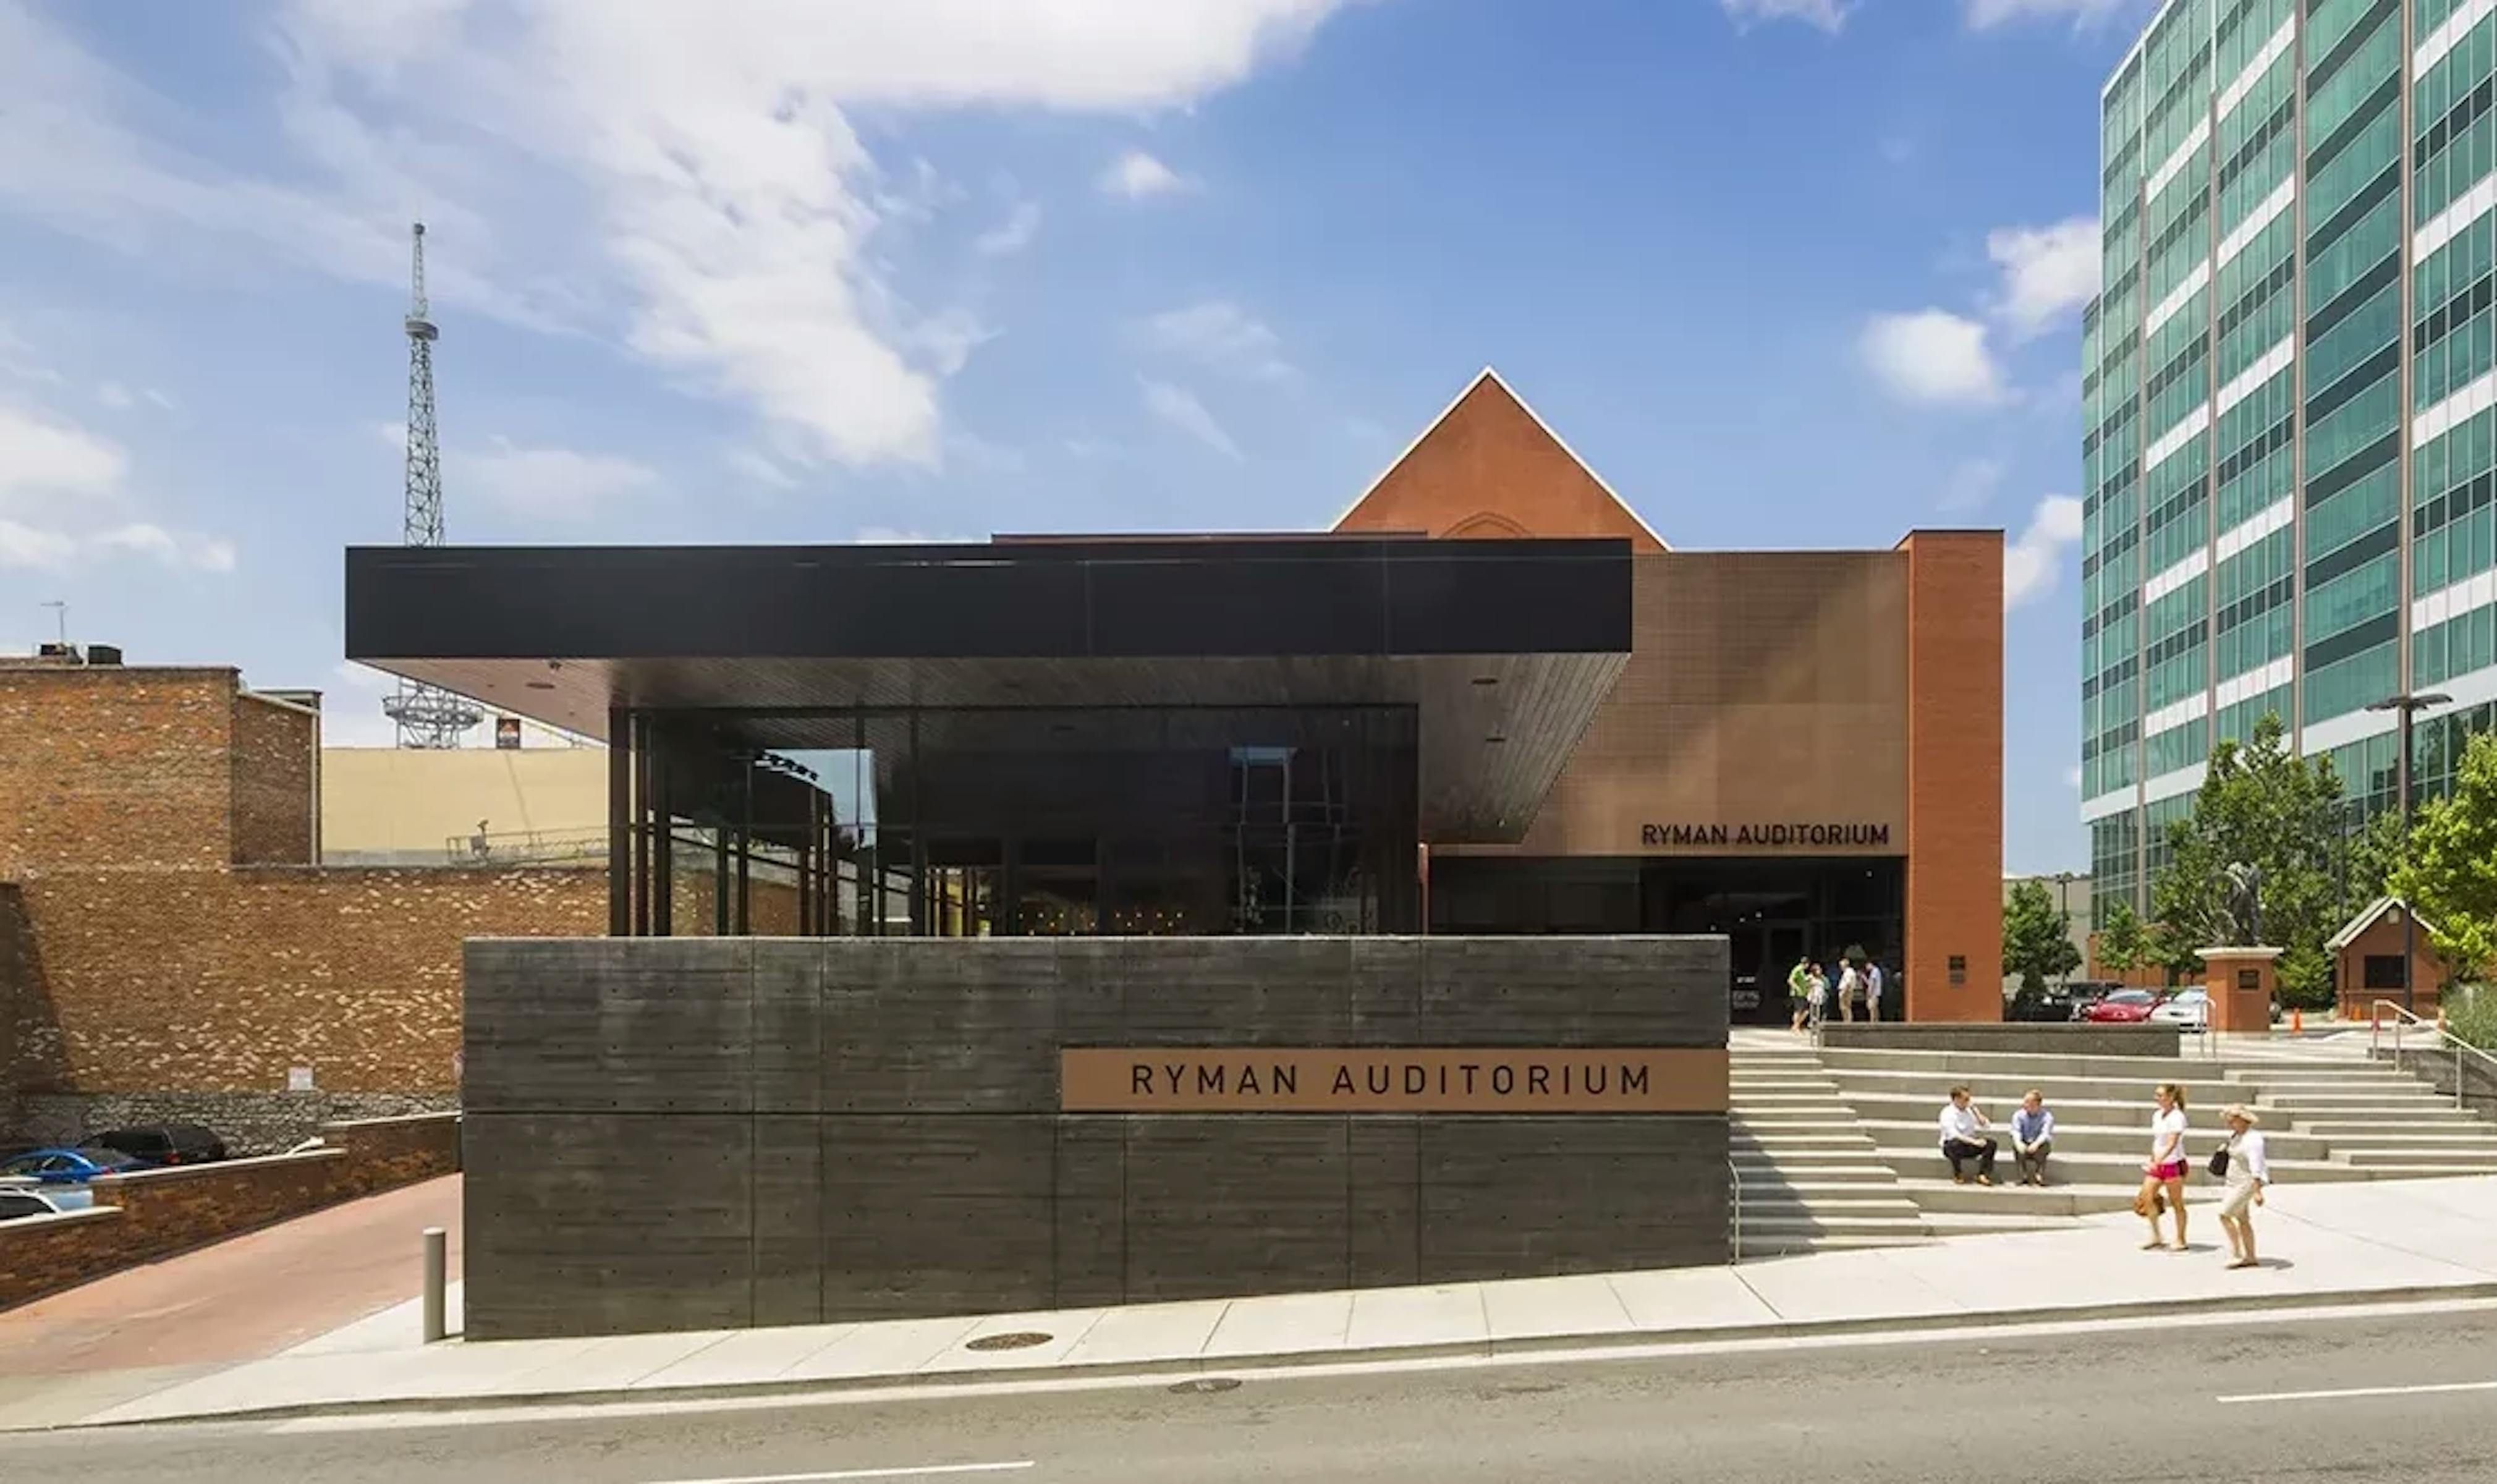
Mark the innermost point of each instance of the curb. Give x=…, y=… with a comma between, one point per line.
x=1110, y=1373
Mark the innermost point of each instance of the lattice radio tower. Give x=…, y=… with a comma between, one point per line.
x=428, y=715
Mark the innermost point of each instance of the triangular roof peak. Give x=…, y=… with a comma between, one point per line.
x=2367, y=919
x=1464, y=494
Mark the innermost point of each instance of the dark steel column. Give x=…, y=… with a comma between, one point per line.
x=619, y=822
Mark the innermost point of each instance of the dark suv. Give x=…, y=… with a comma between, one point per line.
x=165, y=1143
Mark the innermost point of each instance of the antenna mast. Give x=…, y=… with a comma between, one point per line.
x=428, y=716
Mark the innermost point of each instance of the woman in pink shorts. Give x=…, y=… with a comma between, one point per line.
x=2164, y=1176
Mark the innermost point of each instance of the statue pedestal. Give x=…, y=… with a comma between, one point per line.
x=2241, y=982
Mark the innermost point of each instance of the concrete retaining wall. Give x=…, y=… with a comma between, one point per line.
x=695, y=1133
x=2065, y=1040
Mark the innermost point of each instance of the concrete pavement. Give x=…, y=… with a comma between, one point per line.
x=2338, y=1243
x=2225, y=1401
x=254, y=1296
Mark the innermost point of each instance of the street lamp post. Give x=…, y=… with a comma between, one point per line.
x=2063, y=907
x=2406, y=707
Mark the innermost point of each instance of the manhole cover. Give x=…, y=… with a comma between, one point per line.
x=1012, y=1340
x=1204, y=1384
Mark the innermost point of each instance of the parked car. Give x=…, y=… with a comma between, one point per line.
x=165, y=1143
x=2124, y=1007
x=67, y=1166
x=2190, y=1009
x=18, y=1201
x=2081, y=994
x=2047, y=1005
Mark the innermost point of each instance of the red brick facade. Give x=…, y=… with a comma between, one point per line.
x=1954, y=775
x=162, y=928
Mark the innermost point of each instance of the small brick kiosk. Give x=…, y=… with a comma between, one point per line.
x=2367, y=961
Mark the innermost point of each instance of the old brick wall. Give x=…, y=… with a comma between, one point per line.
x=159, y=1213
x=103, y=767
x=275, y=748
x=1954, y=775
x=220, y=981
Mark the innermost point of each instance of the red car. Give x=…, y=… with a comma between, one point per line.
x=2126, y=1008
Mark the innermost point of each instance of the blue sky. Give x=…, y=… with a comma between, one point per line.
x=1786, y=272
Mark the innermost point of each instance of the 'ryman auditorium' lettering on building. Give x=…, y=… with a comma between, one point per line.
x=1436, y=1080
x=1764, y=836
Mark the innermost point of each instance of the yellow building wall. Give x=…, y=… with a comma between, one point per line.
x=407, y=804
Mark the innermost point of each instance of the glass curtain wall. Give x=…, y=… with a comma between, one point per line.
x=965, y=822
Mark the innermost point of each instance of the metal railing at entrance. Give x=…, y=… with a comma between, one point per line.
x=2439, y=1039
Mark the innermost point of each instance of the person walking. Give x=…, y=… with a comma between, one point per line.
x=2163, y=1179
x=1872, y=990
x=1965, y=1139
x=1850, y=985
x=2032, y=1138
x=1815, y=997
x=1799, y=990
x=2242, y=1163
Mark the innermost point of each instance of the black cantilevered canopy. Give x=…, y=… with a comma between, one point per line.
x=1503, y=648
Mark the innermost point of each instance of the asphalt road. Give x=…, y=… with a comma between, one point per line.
x=2098, y=1407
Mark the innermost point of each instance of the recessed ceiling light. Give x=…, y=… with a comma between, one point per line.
x=541, y=685
x=1495, y=739
x=1486, y=679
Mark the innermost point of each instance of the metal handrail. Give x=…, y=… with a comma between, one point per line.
x=1736, y=1170
x=2436, y=1028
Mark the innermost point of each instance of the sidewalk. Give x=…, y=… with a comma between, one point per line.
x=2337, y=1243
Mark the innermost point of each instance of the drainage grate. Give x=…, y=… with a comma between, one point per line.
x=1204, y=1384
x=1013, y=1340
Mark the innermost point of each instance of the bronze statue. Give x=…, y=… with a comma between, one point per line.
x=2242, y=913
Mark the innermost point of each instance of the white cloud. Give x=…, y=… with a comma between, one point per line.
x=2047, y=271
x=112, y=394
x=1971, y=483
x=1983, y=15
x=63, y=498
x=1220, y=335
x=1137, y=174
x=1828, y=15
x=1933, y=356
x=1179, y=407
x=2031, y=564
x=760, y=468
x=1013, y=235
x=694, y=189
x=551, y=484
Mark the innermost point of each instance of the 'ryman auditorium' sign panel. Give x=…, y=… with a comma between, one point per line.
x=1804, y=835
x=1615, y=1080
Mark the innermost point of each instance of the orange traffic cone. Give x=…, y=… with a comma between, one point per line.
x=2297, y=1022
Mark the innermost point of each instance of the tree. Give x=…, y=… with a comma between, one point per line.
x=2450, y=876
x=2123, y=944
x=2263, y=806
x=2037, y=938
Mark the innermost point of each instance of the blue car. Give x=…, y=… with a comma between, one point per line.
x=66, y=1166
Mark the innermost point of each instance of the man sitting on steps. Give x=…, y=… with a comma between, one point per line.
x=1964, y=1138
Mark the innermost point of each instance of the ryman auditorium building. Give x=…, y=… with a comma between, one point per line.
x=1492, y=701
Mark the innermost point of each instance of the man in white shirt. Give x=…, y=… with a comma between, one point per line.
x=1964, y=1138
x=1850, y=983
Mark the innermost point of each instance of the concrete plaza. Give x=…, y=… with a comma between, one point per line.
x=2323, y=1244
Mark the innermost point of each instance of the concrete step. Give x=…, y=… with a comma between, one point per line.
x=1866, y=1171
x=1951, y=1223
x=2340, y=1132
x=2408, y=1158
x=1927, y=1164
x=1765, y=1224
x=1970, y=1066
x=1999, y=1095
x=2102, y=1139
x=1805, y=1113
x=1768, y=1140
x=2422, y=1100
x=1799, y=1242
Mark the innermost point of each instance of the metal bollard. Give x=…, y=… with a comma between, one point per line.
x=438, y=1271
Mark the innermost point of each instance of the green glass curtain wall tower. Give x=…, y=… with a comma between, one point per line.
x=2290, y=382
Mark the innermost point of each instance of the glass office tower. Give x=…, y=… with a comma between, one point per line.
x=2289, y=381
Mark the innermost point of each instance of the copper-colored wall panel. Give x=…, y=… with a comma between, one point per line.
x=1763, y=687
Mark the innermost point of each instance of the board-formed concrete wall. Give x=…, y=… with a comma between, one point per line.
x=697, y=1133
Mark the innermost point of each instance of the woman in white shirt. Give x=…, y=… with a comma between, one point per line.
x=2248, y=1171
x=2163, y=1179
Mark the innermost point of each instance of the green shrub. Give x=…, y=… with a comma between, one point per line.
x=2472, y=1014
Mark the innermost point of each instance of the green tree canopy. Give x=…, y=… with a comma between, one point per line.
x=2450, y=876
x=2263, y=805
x=2037, y=938
x=2123, y=944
